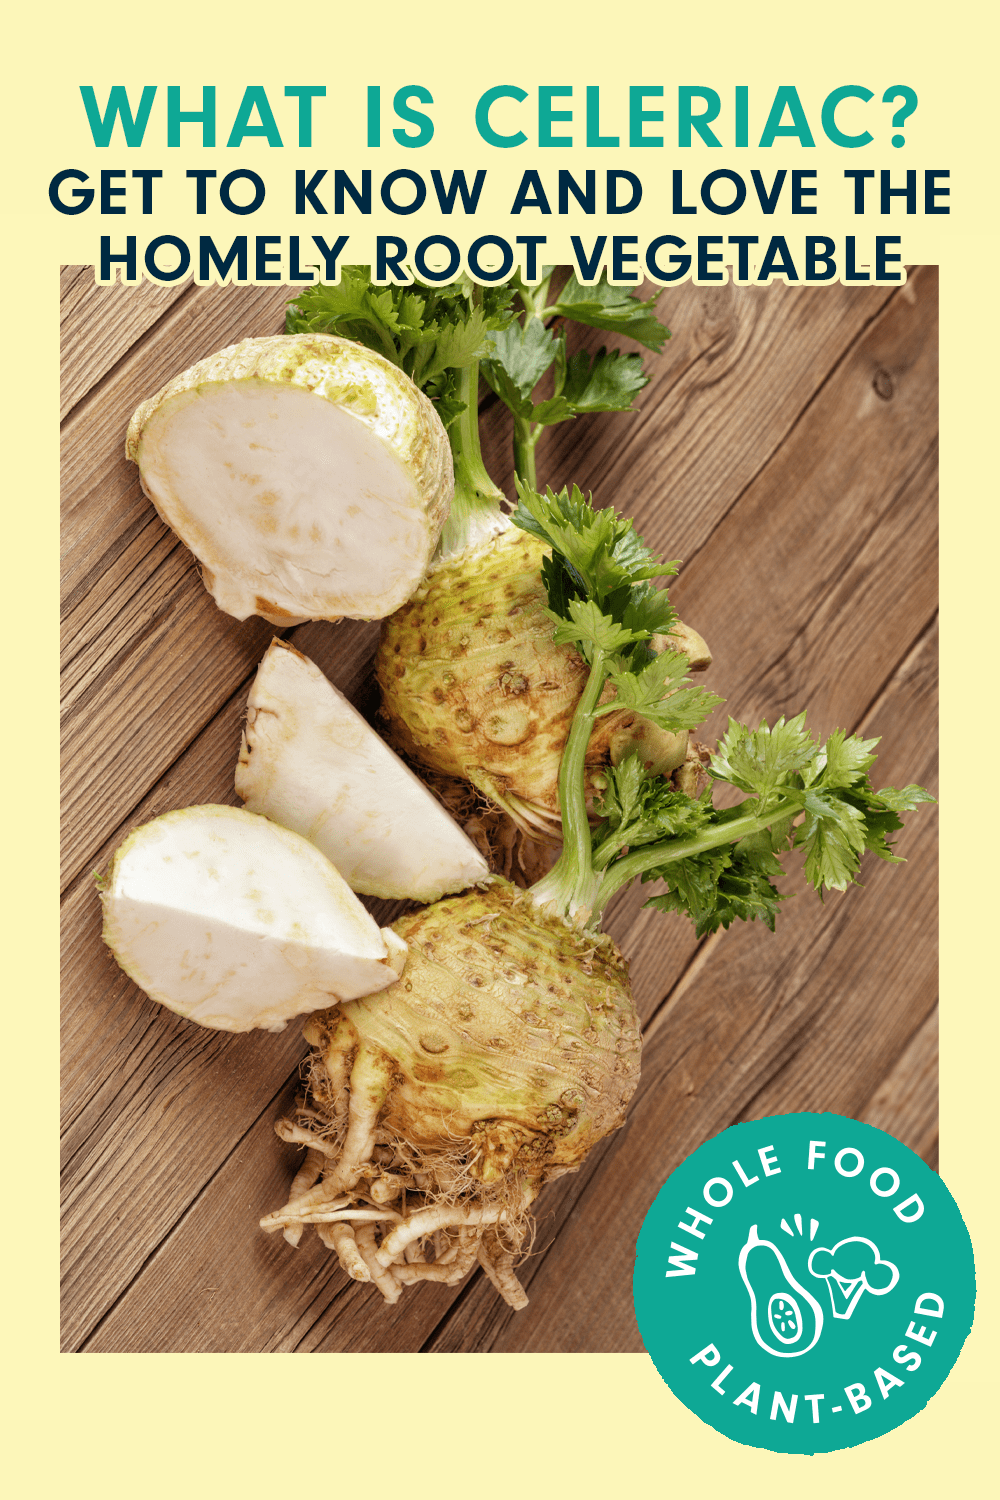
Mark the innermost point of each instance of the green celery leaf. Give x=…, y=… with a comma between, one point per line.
x=656, y=693
x=844, y=759
x=353, y=309
x=649, y=609
x=607, y=383
x=881, y=812
x=717, y=888
x=878, y=825
x=693, y=886
x=562, y=583
x=762, y=760
x=590, y=630
x=600, y=547
x=637, y=808
x=833, y=835
x=515, y=360
x=460, y=343
x=622, y=796
x=759, y=850
x=613, y=309
x=832, y=823
x=905, y=800
x=449, y=407
x=555, y=409
x=427, y=331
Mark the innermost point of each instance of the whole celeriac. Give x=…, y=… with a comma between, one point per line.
x=434, y=1113
x=308, y=475
x=474, y=686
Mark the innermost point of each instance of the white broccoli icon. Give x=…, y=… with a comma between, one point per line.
x=852, y=1267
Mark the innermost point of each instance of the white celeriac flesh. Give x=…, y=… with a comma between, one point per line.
x=308, y=475
x=311, y=762
x=237, y=923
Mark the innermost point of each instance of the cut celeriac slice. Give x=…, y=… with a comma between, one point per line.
x=310, y=762
x=236, y=923
x=308, y=475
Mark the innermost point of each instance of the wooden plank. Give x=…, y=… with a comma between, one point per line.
x=123, y=1182
x=178, y=666
x=122, y=1059
x=99, y=323
x=68, y=276
x=250, y=1292
x=808, y=533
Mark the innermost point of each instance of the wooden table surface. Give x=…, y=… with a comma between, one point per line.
x=786, y=450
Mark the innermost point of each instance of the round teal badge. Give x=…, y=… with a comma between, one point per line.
x=804, y=1283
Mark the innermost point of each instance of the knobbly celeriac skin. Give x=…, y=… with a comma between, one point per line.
x=506, y=1015
x=473, y=685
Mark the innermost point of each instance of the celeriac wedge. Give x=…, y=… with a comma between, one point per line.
x=311, y=762
x=236, y=923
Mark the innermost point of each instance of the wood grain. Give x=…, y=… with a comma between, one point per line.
x=99, y=323
x=786, y=449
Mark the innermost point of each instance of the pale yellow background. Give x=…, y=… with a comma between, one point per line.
x=585, y=1425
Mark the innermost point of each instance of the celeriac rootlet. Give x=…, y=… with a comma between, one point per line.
x=435, y=1110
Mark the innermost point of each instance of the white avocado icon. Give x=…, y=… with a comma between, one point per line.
x=792, y=1318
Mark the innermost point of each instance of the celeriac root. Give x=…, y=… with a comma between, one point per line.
x=498, y=1263
x=507, y=847
x=306, y=1177
x=340, y=1237
x=387, y=1284
x=394, y=1216
x=507, y=1049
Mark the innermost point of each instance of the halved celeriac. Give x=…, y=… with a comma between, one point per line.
x=236, y=923
x=311, y=762
x=308, y=475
